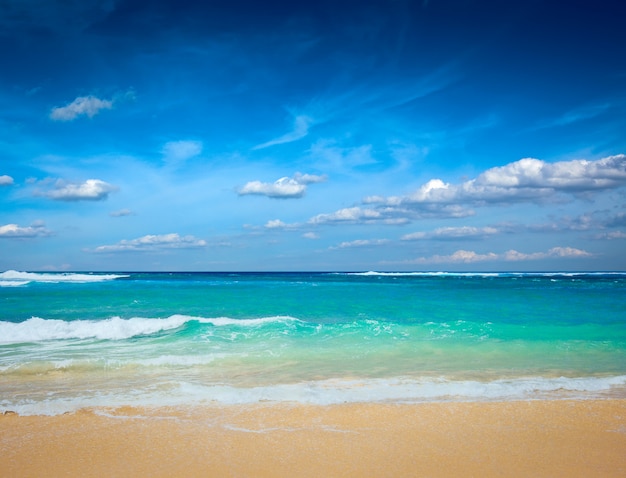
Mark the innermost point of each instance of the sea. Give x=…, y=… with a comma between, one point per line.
x=71, y=341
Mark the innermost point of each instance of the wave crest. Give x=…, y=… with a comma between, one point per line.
x=37, y=329
x=12, y=277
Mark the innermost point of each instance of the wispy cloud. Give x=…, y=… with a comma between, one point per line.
x=612, y=235
x=57, y=15
x=328, y=155
x=6, y=180
x=89, y=190
x=573, y=116
x=301, y=127
x=83, y=105
x=153, y=243
x=362, y=243
x=453, y=233
x=390, y=215
x=356, y=215
x=121, y=213
x=36, y=229
x=179, y=151
x=283, y=188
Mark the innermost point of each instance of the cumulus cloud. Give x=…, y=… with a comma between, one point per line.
x=466, y=257
x=275, y=224
x=90, y=190
x=6, y=180
x=526, y=180
x=36, y=229
x=83, y=105
x=154, y=243
x=283, y=188
x=452, y=233
x=179, y=151
x=348, y=215
x=300, y=130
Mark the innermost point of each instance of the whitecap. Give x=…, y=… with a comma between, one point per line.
x=24, y=277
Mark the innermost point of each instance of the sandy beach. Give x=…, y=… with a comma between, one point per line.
x=584, y=438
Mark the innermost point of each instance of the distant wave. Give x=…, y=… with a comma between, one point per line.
x=481, y=274
x=420, y=274
x=13, y=278
x=13, y=283
x=37, y=329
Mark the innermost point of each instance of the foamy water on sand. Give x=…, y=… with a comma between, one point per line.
x=75, y=340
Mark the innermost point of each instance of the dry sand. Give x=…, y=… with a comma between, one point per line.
x=506, y=439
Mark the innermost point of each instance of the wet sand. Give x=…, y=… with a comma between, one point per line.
x=506, y=439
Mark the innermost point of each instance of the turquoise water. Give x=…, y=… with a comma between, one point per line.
x=69, y=341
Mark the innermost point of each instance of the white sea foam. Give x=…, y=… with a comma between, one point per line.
x=25, y=277
x=37, y=329
x=422, y=274
x=115, y=328
x=13, y=283
x=245, y=322
x=326, y=392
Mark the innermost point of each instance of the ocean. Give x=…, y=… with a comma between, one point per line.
x=79, y=340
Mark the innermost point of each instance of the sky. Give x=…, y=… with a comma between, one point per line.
x=397, y=135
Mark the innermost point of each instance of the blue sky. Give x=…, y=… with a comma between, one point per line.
x=331, y=135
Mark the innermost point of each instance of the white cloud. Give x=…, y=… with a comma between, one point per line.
x=309, y=178
x=362, y=243
x=179, y=151
x=534, y=174
x=445, y=233
x=460, y=256
x=83, y=105
x=90, y=190
x=300, y=130
x=154, y=243
x=526, y=180
x=347, y=215
x=283, y=188
x=558, y=252
x=310, y=235
x=122, y=213
x=6, y=180
x=612, y=235
x=388, y=215
x=463, y=256
x=36, y=229
x=275, y=224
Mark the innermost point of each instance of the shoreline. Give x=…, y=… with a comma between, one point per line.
x=584, y=438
